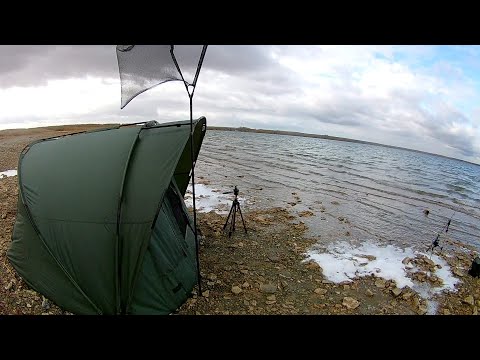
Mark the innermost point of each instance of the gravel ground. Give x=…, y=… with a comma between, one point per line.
x=259, y=273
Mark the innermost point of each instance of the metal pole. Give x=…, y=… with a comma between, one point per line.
x=193, y=195
x=199, y=66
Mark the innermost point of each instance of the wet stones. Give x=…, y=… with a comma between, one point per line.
x=396, y=291
x=45, y=303
x=422, y=309
x=236, y=290
x=350, y=303
x=271, y=300
x=268, y=288
x=458, y=272
x=9, y=285
x=469, y=300
x=313, y=265
x=380, y=283
x=305, y=213
x=320, y=291
x=273, y=257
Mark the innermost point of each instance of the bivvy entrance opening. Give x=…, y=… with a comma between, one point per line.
x=102, y=226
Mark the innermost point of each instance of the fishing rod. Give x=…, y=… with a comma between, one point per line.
x=435, y=242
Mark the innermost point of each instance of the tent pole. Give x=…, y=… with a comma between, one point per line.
x=190, y=95
x=193, y=197
x=199, y=66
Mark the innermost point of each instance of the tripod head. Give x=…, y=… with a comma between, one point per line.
x=235, y=191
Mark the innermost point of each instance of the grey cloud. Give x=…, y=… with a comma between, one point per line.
x=438, y=124
x=142, y=109
x=238, y=59
x=337, y=116
x=345, y=111
x=460, y=139
x=32, y=65
x=251, y=66
x=400, y=116
x=257, y=87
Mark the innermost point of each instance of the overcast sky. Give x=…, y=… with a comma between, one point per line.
x=420, y=97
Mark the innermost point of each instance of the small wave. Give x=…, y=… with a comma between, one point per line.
x=456, y=188
x=377, y=185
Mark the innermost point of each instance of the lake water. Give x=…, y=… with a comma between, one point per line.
x=370, y=191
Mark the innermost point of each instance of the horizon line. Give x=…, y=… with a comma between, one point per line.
x=328, y=137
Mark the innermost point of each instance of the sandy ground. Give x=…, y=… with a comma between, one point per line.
x=262, y=272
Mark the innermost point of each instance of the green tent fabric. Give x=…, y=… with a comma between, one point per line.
x=102, y=226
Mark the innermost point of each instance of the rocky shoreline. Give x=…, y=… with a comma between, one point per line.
x=266, y=271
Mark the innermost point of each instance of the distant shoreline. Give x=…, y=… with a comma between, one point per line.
x=326, y=137
x=87, y=127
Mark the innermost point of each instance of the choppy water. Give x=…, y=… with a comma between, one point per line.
x=382, y=192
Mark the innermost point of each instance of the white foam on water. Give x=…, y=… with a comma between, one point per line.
x=432, y=307
x=342, y=261
x=207, y=199
x=427, y=292
x=8, y=173
x=445, y=273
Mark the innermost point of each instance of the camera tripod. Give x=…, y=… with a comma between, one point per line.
x=233, y=210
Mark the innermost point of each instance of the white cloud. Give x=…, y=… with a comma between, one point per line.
x=58, y=98
x=398, y=95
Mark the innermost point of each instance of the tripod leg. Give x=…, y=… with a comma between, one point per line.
x=234, y=217
x=228, y=217
x=232, y=222
x=244, y=227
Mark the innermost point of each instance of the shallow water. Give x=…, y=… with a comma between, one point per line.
x=380, y=192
